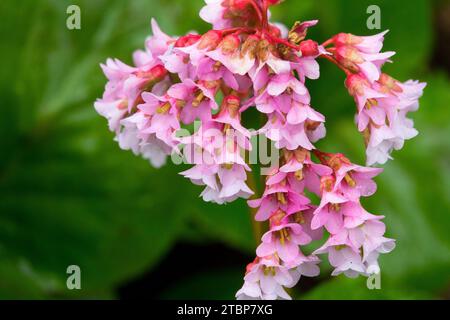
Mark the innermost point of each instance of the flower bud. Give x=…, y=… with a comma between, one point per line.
x=275, y=31
x=389, y=84
x=187, y=40
x=210, y=40
x=299, y=30
x=231, y=104
x=343, y=39
x=230, y=44
x=273, y=2
x=349, y=53
x=356, y=84
x=251, y=265
x=309, y=48
x=153, y=76
x=337, y=160
x=277, y=218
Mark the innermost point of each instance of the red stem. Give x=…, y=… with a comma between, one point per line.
x=328, y=42
x=322, y=156
x=331, y=59
x=282, y=41
x=266, y=19
x=258, y=11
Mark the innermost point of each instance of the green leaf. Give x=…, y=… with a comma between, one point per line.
x=68, y=194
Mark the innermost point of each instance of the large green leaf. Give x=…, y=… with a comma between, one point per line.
x=68, y=194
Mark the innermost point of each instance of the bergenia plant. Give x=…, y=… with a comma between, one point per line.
x=248, y=62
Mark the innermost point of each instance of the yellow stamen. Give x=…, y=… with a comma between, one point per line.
x=180, y=104
x=348, y=178
x=198, y=99
x=371, y=103
x=226, y=127
x=281, y=237
x=228, y=166
x=217, y=65
x=299, y=218
x=335, y=206
x=281, y=198
x=299, y=174
x=163, y=108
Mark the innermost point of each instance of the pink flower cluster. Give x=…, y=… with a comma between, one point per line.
x=356, y=237
x=382, y=102
x=186, y=96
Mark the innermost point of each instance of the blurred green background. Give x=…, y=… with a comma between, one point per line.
x=69, y=195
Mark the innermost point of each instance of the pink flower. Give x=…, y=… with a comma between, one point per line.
x=278, y=196
x=114, y=104
x=224, y=184
x=163, y=115
x=214, y=13
x=224, y=14
x=149, y=146
x=336, y=212
x=230, y=116
x=123, y=90
x=298, y=165
x=361, y=54
x=305, y=266
x=265, y=280
x=113, y=111
x=343, y=258
x=234, y=59
x=211, y=70
x=178, y=62
x=356, y=236
x=382, y=110
x=370, y=237
x=286, y=133
x=355, y=251
x=157, y=44
x=281, y=91
x=352, y=180
x=195, y=99
x=284, y=240
x=285, y=186
x=300, y=30
x=219, y=164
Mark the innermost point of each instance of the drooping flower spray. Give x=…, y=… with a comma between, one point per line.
x=247, y=62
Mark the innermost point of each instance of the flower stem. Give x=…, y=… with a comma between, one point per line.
x=331, y=59
x=257, y=10
x=327, y=43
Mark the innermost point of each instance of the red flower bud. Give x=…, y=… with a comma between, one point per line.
x=230, y=44
x=346, y=39
x=158, y=73
x=210, y=40
x=309, y=48
x=187, y=40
